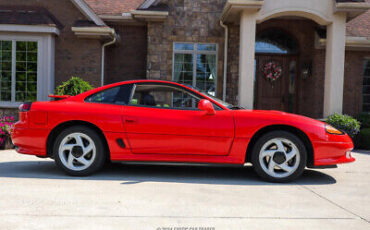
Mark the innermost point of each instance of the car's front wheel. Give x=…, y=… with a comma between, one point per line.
x=79, y=151
x=279, y=156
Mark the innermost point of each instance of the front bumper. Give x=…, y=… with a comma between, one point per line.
x=333, y=153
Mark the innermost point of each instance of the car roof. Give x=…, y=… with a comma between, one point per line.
x=96, y=90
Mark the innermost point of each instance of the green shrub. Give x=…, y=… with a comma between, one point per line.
x=364, y=118
x=365, y=139
x=344, y=123
x=73, y=87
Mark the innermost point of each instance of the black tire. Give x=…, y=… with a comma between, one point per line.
x=100, y=157
x=270, y=136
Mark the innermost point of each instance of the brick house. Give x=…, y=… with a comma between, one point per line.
x=321, y=48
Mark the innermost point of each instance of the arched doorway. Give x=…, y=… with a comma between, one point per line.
x=276, y=66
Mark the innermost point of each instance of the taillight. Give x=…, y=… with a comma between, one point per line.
x=25, y=107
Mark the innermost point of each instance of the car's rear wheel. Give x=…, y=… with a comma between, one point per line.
x=79, y=151
x=279, y=156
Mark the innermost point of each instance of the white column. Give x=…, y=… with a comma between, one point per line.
x=246, y=58
x=334, y=66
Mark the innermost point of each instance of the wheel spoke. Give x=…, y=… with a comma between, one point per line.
x=70, y=160
x=280, y=145
x=285, y=167
x=271, y=166
x=78, y=140
x=67, y=147
x=291, y=155
x=82, y=160
x=87, y=149
x=269, y=153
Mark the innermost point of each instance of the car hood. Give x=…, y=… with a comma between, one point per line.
x=275, y=114
x=271, y=117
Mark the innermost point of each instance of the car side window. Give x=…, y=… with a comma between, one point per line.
x=164, y=96
x=119, y=95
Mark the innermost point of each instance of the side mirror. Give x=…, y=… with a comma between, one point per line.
x=205, y=105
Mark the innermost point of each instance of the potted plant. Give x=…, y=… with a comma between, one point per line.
x=73, y=87
x=6, y=123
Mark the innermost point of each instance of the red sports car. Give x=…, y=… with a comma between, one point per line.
x=160, y=121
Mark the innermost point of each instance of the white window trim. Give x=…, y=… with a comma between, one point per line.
x=195, y=51
x=45, y=65
x=29, y=28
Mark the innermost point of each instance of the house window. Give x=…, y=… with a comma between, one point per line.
x=18, y=71
x=195, y=64
x=274, y=41
x=366, y=88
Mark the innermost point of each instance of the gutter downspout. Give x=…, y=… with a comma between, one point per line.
x=103, y=57
x=225, y=58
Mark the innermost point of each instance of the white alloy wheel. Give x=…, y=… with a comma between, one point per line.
x=77, y=151
x=279, y=158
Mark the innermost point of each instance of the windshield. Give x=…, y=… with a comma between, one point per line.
x=224, y=103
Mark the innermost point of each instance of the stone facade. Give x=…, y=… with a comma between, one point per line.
x=188, y=21
x=232, y=84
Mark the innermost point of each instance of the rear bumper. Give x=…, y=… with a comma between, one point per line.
x=333, y=153
x=29, y=141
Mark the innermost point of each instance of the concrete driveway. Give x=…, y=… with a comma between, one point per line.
x=34, y=194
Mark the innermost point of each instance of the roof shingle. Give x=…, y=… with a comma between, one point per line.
x=28, y=16
x=360, y=26
x=113, y=7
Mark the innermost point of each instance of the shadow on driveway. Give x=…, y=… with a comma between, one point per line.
x=360, y=151
x=138, y=173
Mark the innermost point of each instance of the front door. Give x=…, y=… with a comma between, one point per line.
x=276, y=80
x=164, y=119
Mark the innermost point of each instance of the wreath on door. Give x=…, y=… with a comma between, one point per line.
x=272, y=71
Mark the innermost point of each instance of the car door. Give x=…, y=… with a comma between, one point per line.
x=164, y=119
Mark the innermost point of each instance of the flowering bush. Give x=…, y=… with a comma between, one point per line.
x=272, y=71
x=6, y=123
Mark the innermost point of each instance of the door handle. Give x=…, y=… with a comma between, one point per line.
x=131, y=120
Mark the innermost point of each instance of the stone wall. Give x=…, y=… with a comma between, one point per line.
x=232, y=85
x=188, y=21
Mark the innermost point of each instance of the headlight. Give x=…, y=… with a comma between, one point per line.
x=330, y=129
